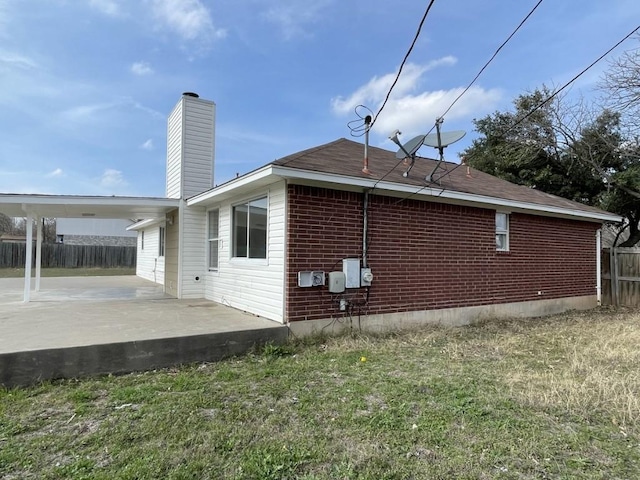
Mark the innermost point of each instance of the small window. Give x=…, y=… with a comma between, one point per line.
x=142, y=241
x=502, y=232
x=213, y=238
x=161, y=242
x=250, y=229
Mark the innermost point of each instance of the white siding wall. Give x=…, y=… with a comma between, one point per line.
x=174, y=152
x=198, y=146
x=193, y=223
x=253, y=285
x=149, y=265
x=190, y=147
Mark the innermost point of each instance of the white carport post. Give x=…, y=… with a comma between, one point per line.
x=29, y=258
x=38, y=252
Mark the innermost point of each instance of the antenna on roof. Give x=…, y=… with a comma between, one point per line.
x=439, y=140
x=367, y=127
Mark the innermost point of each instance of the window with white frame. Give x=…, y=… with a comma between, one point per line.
x=161, y=242
x=213, y=238
x=250, y=229
x=502, y=231
x=142, y=240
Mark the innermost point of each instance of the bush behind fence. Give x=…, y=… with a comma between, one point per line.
x=12, y=255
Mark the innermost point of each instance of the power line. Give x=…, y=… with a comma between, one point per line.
x=415, y=39
x=545, y=101
x=468, y=86
x=492, y=57
x=550, y=97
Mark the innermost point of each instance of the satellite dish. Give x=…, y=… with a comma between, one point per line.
x=446, y=138
x=439, y=140
x=411, y=147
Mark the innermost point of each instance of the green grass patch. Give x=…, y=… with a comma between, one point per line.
x=539, y=398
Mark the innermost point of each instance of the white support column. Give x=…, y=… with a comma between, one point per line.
x=28, y=258
x=38, y=252
x=599, y=266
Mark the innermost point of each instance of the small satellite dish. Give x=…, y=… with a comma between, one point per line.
x=439, y=140
x=446, y=138
x=411, y=147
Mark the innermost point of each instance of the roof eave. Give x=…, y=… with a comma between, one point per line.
x=149, y=222
x=367, y=183
x=216, y=193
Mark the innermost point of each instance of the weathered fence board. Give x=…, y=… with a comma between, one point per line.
x=12, y=255
x=621, y=276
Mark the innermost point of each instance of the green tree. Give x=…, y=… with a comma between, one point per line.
x=5, y=224
x=567, y=150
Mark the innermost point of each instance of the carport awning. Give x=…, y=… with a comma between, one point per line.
x=76, y=206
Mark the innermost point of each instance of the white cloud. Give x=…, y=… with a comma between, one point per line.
x=83, y=113
x=411, y=111
x=188, y=18
x=141, y=68
x=99, y=111
x=56, y=173
x=148, y=145
x=293, y=19
x=415, y=114
x=108, y=7
x=374, y=92
x=112, y=178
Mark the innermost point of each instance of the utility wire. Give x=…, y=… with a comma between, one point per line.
x=468, y=86
x=492, y=57
x=415, y=39
x=550, y=97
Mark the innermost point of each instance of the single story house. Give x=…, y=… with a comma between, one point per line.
x=95, y=231
x=313, y=241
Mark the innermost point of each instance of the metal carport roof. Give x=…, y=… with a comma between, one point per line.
x=76, y=206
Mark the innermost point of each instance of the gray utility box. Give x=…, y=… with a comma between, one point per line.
x=336, y=282
x=351, y=269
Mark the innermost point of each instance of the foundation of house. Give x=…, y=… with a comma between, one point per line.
x=450, y=317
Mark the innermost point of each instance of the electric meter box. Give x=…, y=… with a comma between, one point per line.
x=311, y=279
x=351, y=269
x=336, y=282
x=366, y=277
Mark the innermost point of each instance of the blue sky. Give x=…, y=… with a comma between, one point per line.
x=86, y=85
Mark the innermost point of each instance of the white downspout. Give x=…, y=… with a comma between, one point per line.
x=599, y=266
x=38, y=252
x=28, y=258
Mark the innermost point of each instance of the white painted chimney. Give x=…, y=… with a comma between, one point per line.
x=190, y=146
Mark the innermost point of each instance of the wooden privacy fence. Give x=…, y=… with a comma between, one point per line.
x=621, y=276
x=12, y=255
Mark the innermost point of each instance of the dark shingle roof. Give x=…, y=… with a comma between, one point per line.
x=345, y=157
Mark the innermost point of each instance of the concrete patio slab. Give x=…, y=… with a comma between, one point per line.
x=87, y=325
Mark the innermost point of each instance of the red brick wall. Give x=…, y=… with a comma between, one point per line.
x=427, y=255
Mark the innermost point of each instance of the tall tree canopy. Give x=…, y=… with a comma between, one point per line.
x=621, y=86
x=567, y=150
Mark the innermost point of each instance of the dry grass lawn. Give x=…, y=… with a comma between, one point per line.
x=552, y=398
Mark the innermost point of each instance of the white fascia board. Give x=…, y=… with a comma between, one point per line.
x=85, y=200
x=413, y=190
x=527, y=206
x=234, y=184
x=145, y=223
x=442, y=193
